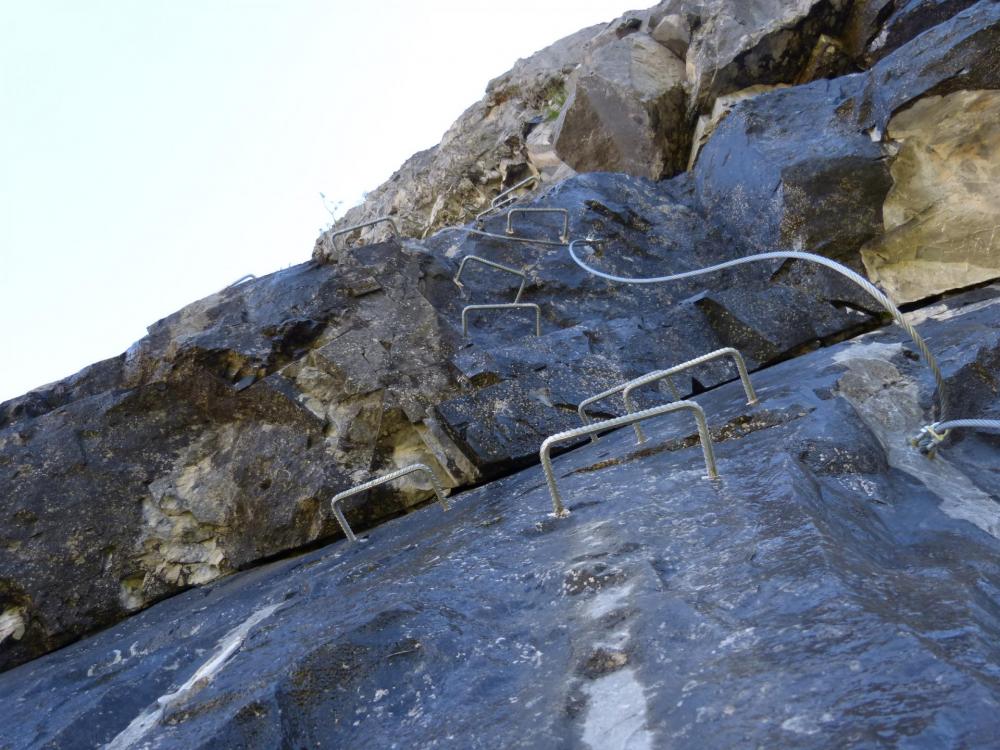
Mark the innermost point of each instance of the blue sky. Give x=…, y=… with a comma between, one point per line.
x=153, y=152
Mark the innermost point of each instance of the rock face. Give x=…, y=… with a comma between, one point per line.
x=941, y=227
x=626, y=96
x=483, y=152
x=218, y=440
x=213, y=442
x=835, y=588
x=760, y=177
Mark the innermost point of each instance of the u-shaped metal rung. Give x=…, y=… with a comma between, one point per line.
x=511, y=306
x=240, y=280
x=387, y=219
x=491, y=264
x=564, y=237
x=505, y=197
x=558, y=509
x=628, y=387
x=652, y=377
x=582, y=408
x=339, y=514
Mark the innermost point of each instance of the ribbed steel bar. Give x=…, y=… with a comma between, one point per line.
x=381, y=219
x=558, y=509
x=665, y=374
x=240, y=280
x=582, y=408
x=505, y=198
x=337, y=499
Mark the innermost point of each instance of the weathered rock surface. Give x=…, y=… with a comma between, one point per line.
x=834, y=589
x=763, y=177
x=218, y=439
x=627, y=111
x=483, y=152
x=739, y=44
x=212, y=443
x=942, y=224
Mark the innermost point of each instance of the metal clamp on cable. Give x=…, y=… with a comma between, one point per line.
x=931, y=436
x=928, y=439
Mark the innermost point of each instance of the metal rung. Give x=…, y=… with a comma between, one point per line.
x=241, y=280
x=582, y=408
x=505, y=238
x=505, y=198
x=654, y=376
x=651, y=377
x=511, y=306
x=379, y=220
x=339, y=514
x=491, y=264
x=609, y=424
x=564, y=237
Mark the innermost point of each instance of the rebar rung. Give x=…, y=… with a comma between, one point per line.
x=338, y=498
x=491, y=264
x=509, y=306
x=240, y=280
x=564, y=237
x=505, y=197
x=387, y=219
x=627, y=387
x=652, y=377
x=558, y=509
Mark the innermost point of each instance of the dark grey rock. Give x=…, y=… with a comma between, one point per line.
x=834, y=589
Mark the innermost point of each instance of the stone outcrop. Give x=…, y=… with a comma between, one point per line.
x=834, y=588
x=627, y=111
x=942, y=227
x=765, y=180
x=738, y=44
x=217, y=441
x=482, y=153
x=619, y=97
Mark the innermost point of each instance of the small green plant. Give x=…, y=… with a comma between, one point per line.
x=555, y=98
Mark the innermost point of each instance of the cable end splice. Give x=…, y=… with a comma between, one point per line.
x=928, y=439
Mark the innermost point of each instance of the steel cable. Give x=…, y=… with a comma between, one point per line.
x=862, y=282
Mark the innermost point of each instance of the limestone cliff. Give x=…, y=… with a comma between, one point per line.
x=216, y=442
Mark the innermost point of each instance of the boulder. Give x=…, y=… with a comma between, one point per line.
x=626, y=111
x=941, y=223
x=722, y=106
x=674, y=32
